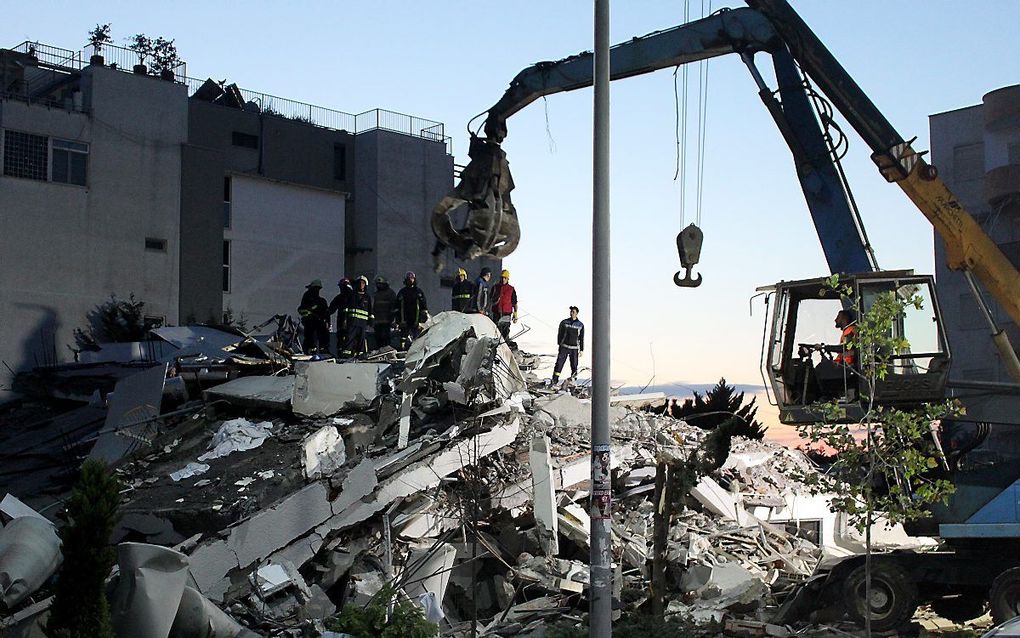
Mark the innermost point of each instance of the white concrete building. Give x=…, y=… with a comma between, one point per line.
x=89, y=207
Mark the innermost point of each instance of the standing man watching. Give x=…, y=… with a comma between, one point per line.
x=480, y=298
x=385, y=302
x=314, y=319
x=570, y=339
x=504, y=305
x=412, y=309
x=359, y=315
x=462, y=292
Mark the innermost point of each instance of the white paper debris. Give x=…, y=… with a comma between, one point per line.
x=189, y=470
x=237, y=435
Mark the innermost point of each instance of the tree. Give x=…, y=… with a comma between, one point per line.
x=114, y=321
x=405, y=620
x=676, y=474
x=141, y=45
x=99, y=36
x=164, y=56
x=718, y=406
x=80, y=608
x=888, y=461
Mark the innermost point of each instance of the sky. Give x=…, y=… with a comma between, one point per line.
x=448, y=61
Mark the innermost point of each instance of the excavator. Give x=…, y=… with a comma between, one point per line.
x=978, y=563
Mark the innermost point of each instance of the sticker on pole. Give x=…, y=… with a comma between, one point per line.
x=600, y=462
x=601, y=505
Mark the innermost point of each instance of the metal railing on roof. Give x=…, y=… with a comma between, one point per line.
x=115, y=57
x=375, y=119
x=51, y=55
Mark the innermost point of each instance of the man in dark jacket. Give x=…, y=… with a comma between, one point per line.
x=339, y=307
x=314, y=319
x=480, y=297
x=463, y=290
x=385, y=303
x=359, y=317
x=570, y=339
x=504, y=305
x=411, y=310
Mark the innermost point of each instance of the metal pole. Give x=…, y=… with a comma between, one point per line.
x=600, y=616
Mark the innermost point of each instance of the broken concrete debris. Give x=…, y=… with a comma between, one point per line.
x=306, y=486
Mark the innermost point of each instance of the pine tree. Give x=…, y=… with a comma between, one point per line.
x=719, y=405
x=80, y=608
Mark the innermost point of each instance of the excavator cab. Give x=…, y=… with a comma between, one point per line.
x=807, y=361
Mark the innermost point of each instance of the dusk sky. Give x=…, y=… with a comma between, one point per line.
x=448, y=61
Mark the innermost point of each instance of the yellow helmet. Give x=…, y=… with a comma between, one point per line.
x=505, y=273
x=462, y=273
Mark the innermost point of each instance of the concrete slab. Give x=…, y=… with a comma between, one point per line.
x=136, y=400
x=323, y=388
x=425, y=475
x=323, y=452
x=544, y=491
x=275, y=528
x=14, y=508
x=428, y=570
x=259, y=392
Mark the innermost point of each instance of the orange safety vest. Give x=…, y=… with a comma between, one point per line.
x=847, y=356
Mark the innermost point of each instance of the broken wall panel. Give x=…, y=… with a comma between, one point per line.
x=324, y=388
x=129, y=421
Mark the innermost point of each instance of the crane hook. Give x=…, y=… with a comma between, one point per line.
x=688, y=244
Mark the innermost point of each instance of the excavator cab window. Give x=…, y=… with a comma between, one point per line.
x=917, y=372
x=809, y=361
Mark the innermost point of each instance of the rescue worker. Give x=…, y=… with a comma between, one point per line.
x=835, y=377
x=570, y=339
x=411, y=310
x=384, y=304
x=359, y=317
x=314, y=319
x=463, y=290
x=504, y=305
x=846, y=323
x=480, y=297
x=339, y=306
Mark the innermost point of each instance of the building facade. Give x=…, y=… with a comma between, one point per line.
x=977, y=152
x=200, y=199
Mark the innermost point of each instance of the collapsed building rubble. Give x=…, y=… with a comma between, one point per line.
x=269, y=501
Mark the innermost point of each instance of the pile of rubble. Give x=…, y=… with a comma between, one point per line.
x=267, y=503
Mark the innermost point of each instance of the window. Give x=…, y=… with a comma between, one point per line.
x=340, y=161
x=155, y=244
x=244, y=139
x=810, y=531
x=25, y=155
x=226, y=201
x=226, y=266
x=70, y=162
x=1014, y=153
x=968, y=162
x=447, y=282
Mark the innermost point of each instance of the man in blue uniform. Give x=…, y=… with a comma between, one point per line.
x=570, y=339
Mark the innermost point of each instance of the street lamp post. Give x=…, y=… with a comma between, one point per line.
x=600, y=616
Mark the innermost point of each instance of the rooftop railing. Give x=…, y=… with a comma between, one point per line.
x=375, y=119
x=124, y=59
x=115, y=57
